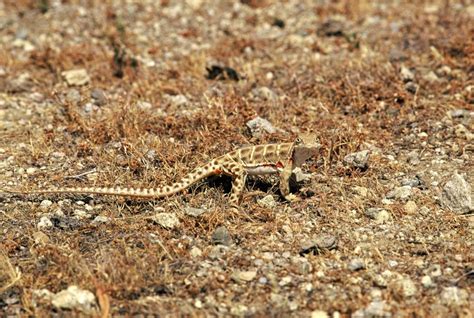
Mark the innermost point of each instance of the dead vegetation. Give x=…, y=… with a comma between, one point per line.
x=149, y=113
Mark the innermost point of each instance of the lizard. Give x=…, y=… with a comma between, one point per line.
x=279, y=158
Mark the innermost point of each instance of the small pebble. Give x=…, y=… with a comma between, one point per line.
x=358, y=160
x=356, y=264
x=267, y=202
x=195, y=252
x=243, y=276
x=166, y=220
x=44, y=223
x=76, y=77
x=221, y=236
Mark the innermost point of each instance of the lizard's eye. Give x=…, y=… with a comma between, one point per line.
x=298, y=140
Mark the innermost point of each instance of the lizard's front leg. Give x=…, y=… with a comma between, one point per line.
x=285, y=174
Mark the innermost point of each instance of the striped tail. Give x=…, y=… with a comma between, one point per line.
x=193, y=177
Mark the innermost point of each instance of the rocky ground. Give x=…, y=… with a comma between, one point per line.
x=137, y=93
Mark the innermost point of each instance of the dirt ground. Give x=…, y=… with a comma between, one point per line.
x=137, y=93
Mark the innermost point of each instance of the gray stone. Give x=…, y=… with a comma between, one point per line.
x=221, y=236
x=259, y=125
x=99, y=97
x=400, y=193
x=195, y=212
x=358, y=159
x=378, y=214
x=411, y=87
x=457, y=195
x=322, y=242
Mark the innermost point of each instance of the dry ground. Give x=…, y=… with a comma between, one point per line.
x=394, y=78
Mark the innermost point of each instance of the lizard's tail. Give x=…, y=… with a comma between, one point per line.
x=196, y=175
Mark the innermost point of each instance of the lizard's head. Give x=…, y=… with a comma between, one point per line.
x=306, y=146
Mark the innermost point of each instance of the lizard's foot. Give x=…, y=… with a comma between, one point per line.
x=292, y=198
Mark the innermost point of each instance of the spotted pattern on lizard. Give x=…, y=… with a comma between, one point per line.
x=279, y=158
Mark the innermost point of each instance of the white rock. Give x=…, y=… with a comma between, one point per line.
x=31, y=170
x=45, y=204
x=245, y=276
x=75, y=298
x=426, y=281
x=195, y=252
x=267, y=202
x=101, y=219
x=457, y=195
x=166, y=220
x=44, y=223
x=454, y=296
x=406, y=287
x=319, y=314
x=77, y=77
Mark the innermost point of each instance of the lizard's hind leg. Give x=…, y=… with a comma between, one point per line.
x=239, y=176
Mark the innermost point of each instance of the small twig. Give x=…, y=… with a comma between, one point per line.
x=80, y=175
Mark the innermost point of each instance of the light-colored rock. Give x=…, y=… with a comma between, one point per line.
x=44, y=223
x=378, y=214
x=356, y=264
x=361, y=191
x=431, y=77
x=400, y=193
x=221, y=236
x=40, y=238
x=45, y=204
x=319, y=314
x=177, y=100
x=454, y=296
x=258, y=126
x=195, y=212
x=457, y=195
x=77, y=77
x=195, y=252
x=75, y=298
x=406, y=74
x=405, y=287
x=267, y=202
x=358, y=159
x=426, y=281
x=101, y=219
x=243, y=276
x=410, y=207
x=166, y=220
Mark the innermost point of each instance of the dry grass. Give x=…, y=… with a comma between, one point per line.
x=347, y=89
